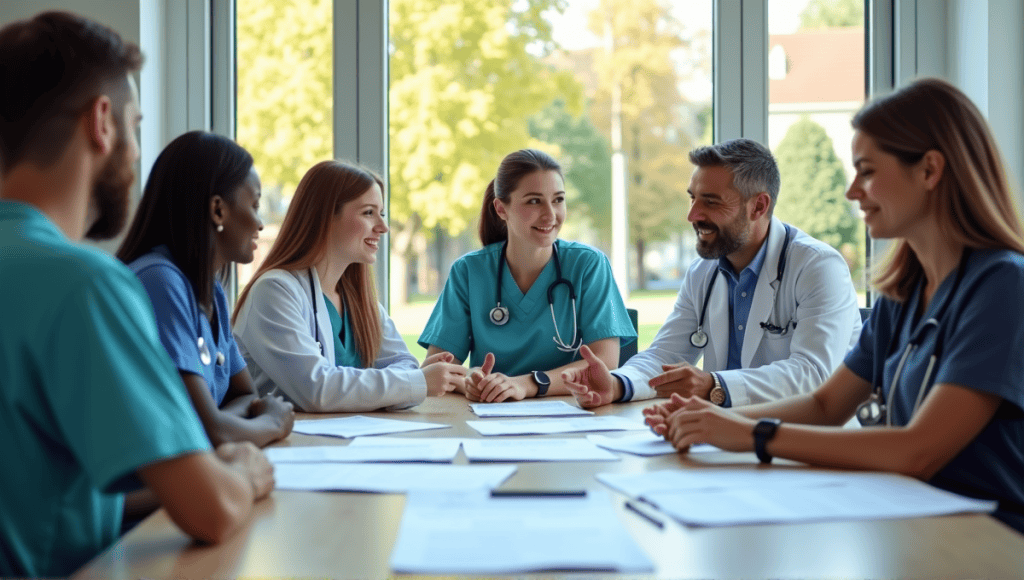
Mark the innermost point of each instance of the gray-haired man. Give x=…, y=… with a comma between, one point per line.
x=771, y=310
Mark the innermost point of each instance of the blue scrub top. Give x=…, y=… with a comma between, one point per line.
x=182, y=322
x=982, y=333
x=461, y=324
x=87, y=396
x=345, y=352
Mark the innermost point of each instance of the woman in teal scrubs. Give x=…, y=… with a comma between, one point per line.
x=522, y=306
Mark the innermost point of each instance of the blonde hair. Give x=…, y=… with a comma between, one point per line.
x=972, y=200
x=304, y=237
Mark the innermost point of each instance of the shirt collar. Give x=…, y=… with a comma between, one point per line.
x=754, y=266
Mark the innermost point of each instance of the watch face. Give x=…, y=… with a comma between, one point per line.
x=717, y=395
x=541, y=378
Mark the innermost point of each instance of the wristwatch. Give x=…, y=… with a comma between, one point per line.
x=717, y=394
x=543, y=382
x=763, y=433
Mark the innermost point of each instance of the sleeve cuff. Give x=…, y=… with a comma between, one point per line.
x=725, y=387
x=627, y=388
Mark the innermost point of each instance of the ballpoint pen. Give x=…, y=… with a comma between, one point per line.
x=643, y=513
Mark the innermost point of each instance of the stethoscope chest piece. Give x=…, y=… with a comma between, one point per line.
x=699, y=338
x=499, y=315
x=872, y=411
x=204, y=351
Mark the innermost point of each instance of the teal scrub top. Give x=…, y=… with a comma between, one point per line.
x=87, y=396
x=461, y=324
x=345, y=352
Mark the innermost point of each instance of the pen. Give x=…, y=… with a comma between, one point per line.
x=539, y=493
x=655, y=521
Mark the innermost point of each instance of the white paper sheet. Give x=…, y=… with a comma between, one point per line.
x=388, y=478
x=549, y=426
x=713, y=497
x=528, y=409
x=360, y=425
x=646, y=444
x=473, y=533
x=534, y=450
x=440, y=450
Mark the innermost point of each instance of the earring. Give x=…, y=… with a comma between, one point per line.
x=220, y=228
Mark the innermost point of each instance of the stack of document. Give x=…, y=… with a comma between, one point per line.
x=360, y=425
x=527, y=409
x=474, y=533
x=549, y=426
x=724, y=497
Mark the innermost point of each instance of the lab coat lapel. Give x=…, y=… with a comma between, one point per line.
x=718, y=324
x=764, y=294
x=323, y=318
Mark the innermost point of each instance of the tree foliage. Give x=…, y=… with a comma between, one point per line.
x=465, y=77
x=814, y=185
x=284, y=98
x=832, y=14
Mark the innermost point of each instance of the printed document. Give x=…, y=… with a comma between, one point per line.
x=473, y=533
x=724, y=497
x=549, y=426
x=527, y=409
x=371, y=449
x=388, y=477
x=646, y=444
x=565, y=449
x=360, y=425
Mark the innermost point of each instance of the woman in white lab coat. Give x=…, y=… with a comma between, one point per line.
x=309, y=324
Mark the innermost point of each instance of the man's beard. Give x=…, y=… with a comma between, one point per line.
x=110, y=193
x=728, y=239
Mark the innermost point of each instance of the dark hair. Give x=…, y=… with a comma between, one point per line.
x=513, y=168
x=175, y=206
x=752, y=166
x=51, y=69
x=972, y=200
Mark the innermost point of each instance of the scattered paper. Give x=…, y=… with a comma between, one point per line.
x=534, y=450
x=527, y=409
x=360, y=425
x=646, y=444
x=549, y=426
x=388, y=478
x=473, y=533
x=371, y=449
x=712, y=497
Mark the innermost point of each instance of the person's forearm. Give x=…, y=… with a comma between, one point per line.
x=797, y=409
x=231, y=428
x=239, y=405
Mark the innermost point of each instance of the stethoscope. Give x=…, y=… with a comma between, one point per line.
x=699, y=338
x=499, y=314
x=204, y=353
x=316, y=325
x=875, y=410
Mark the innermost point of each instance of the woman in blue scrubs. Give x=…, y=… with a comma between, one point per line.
x=309, y=323
x=198, y=214
x=522, y=306
x=939, y=367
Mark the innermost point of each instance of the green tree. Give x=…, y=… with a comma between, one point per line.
x=284, y=91
x=465, y=77
x=814, y=186
x=832, y=14
x=643, y=38
x=586, y=162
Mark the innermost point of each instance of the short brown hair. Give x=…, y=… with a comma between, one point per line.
x=973, y=202
x=52, y=67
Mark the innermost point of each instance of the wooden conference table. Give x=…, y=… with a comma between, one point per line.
x=350, y=535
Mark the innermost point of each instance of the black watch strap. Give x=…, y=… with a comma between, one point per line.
x=543, y=382
x=763, y=433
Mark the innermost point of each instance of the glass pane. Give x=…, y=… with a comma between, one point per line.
x=474, y=80
x=816, y=83
x=284, y=100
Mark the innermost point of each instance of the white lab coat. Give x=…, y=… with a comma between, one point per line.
x=275, y=334
x=816, y=293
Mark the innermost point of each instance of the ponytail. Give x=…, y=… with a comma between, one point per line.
x=492, y=227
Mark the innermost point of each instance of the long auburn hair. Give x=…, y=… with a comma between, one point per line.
x=304, y=238
x=175, y=206
x=972, y=200
x=513, y=168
